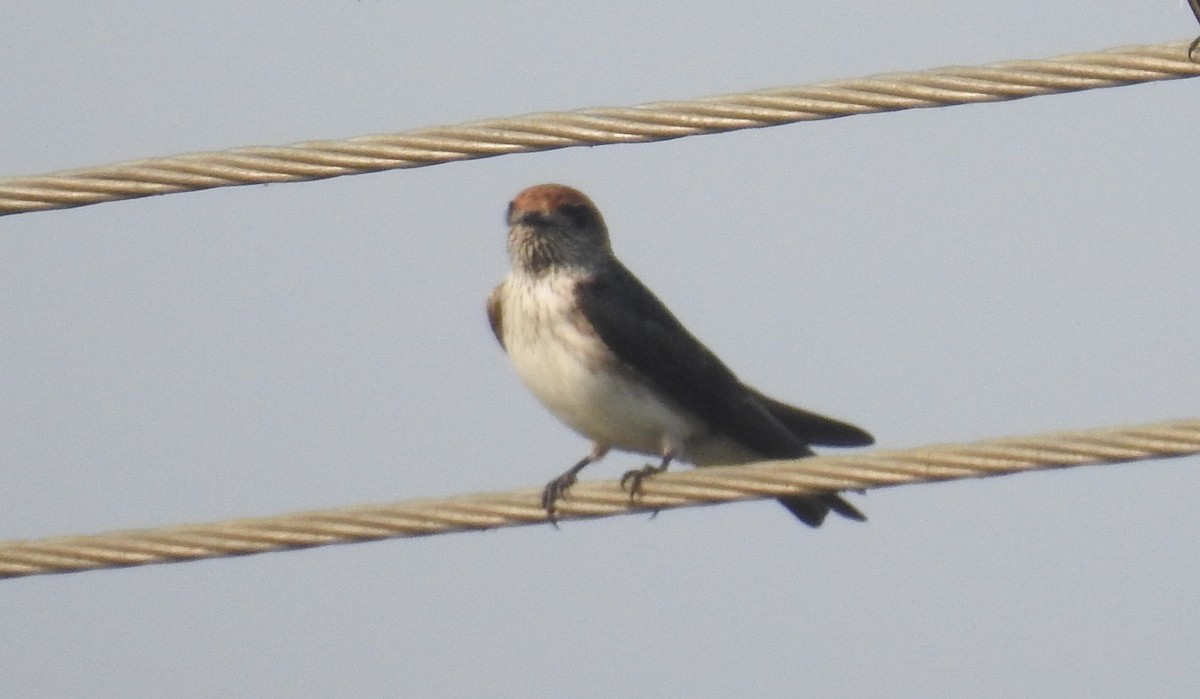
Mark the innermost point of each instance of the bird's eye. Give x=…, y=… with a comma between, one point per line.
x=579, y=215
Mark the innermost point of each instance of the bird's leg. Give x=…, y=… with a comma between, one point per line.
x=632, y=480
x=557, y=488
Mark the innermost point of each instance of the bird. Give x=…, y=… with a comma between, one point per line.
x=606, y=357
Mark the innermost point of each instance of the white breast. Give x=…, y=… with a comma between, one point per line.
x=557, y=355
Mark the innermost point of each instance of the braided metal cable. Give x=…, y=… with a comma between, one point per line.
x=588, y=127
x=599, y=499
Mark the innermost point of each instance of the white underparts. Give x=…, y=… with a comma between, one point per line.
x=560, y=359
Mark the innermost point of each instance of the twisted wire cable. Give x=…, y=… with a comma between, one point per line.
x=599, y=499
x=589, y=127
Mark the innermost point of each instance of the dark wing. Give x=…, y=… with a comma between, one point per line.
x=813, y=428
x=644, y=335
x=495, y=316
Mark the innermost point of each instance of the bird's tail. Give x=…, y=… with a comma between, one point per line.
x=812, y=509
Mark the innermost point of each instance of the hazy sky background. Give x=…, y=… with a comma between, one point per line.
x=934, y=276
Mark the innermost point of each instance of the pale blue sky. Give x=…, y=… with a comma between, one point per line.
x=934, y=276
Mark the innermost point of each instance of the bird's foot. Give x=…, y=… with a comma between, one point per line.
x=554, y=490
x=557, y=488
x=632, y=480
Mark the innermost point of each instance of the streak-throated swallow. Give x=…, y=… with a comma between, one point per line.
x=603, y=354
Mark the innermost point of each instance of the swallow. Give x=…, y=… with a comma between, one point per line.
x=605, y=356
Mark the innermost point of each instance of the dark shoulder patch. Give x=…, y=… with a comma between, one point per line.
x=495, y=314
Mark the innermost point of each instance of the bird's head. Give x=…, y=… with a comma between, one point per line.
x=553, y=226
